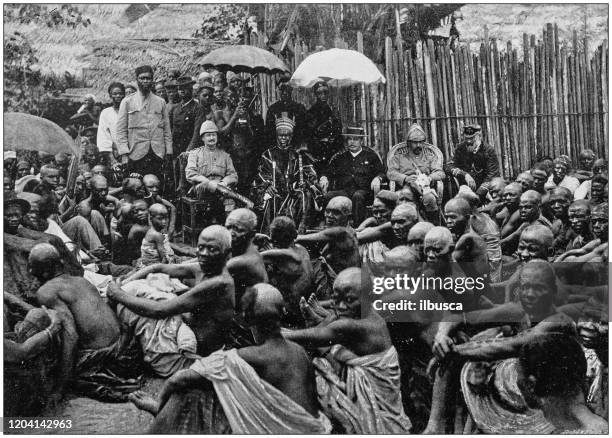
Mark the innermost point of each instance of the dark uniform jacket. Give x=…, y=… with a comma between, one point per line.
x=325, y=131
x=349, y=173
x=182, y=120
x=294, y=109
x=482, y=166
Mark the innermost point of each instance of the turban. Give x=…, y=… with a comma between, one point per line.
x=415, y=133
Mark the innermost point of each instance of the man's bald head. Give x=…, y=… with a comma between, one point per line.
x=247, y=217
x=218, y=233
x=439, y=235
x=343, y=203
x=419, y=231
x=338, y=211
x=513, y=187
x=458, y=205
x=43, y=253
x=399, y=260
x=157, y=209
x=581, y=204
x=349, y=288
x=579, y=216
x=405, y=195
x=263, y=304
x=560, y=192
x=407, y=211
x=438, y=243
x=535, y=242
x=457, y=213
x=529, y=206
x=150, y=179
x=533, y=196
x=350, y=276
x=403, y=217
x=44, y=261
x=497, y=183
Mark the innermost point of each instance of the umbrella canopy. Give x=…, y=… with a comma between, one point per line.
x=28, y=132
x=338, y=67
x=245, y=59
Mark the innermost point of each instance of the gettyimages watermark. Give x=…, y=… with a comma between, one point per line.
x=443, y=292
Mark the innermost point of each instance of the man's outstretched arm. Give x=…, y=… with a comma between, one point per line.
x=327, y=235
x=184, y=303
x=173, y=271
x=321, y=336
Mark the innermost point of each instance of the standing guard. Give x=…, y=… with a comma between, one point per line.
x=324, y=127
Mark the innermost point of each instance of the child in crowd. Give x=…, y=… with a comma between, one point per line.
x=152, y=189
x=155, y=246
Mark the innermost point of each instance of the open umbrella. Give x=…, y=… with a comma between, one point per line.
x=245, y=59
x=338, y=67
x=28, y=132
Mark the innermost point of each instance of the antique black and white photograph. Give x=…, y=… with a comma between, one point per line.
x=285, y=218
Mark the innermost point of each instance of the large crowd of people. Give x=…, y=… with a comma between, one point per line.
x=234, y=256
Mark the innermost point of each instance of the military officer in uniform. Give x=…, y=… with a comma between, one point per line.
x=207, y=168
x=415, y=165
x=474, y=163
x=182, y=118
x=356, y=173
x=324, y=127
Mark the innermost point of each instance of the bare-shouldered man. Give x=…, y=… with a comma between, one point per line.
x=291, y=270
x=534, y=315
x=76, y=300
x=341, y=248
x=246, y=265
x=278, y=362
x=359, y=332
x=210, y=303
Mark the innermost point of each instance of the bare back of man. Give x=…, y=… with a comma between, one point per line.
x=247, y=270
x=286, y=366
x=342, y=251
x=292, y=275
x=83, y=300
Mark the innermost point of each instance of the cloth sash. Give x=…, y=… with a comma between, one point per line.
x=368, y=399
x=251, y=404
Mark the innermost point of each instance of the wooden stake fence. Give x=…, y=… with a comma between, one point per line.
x=545, y=98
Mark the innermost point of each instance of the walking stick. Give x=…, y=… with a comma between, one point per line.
x=301, y=164
x=274, y=191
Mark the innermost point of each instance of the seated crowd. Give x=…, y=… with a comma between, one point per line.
x=268, y=319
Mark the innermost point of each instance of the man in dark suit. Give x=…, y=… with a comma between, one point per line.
x=324, y=128
x=356, y=173
x=183, y=117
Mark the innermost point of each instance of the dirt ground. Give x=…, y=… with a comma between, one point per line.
x=90, y=417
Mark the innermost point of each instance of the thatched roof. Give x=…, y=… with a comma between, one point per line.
x=114, y=43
